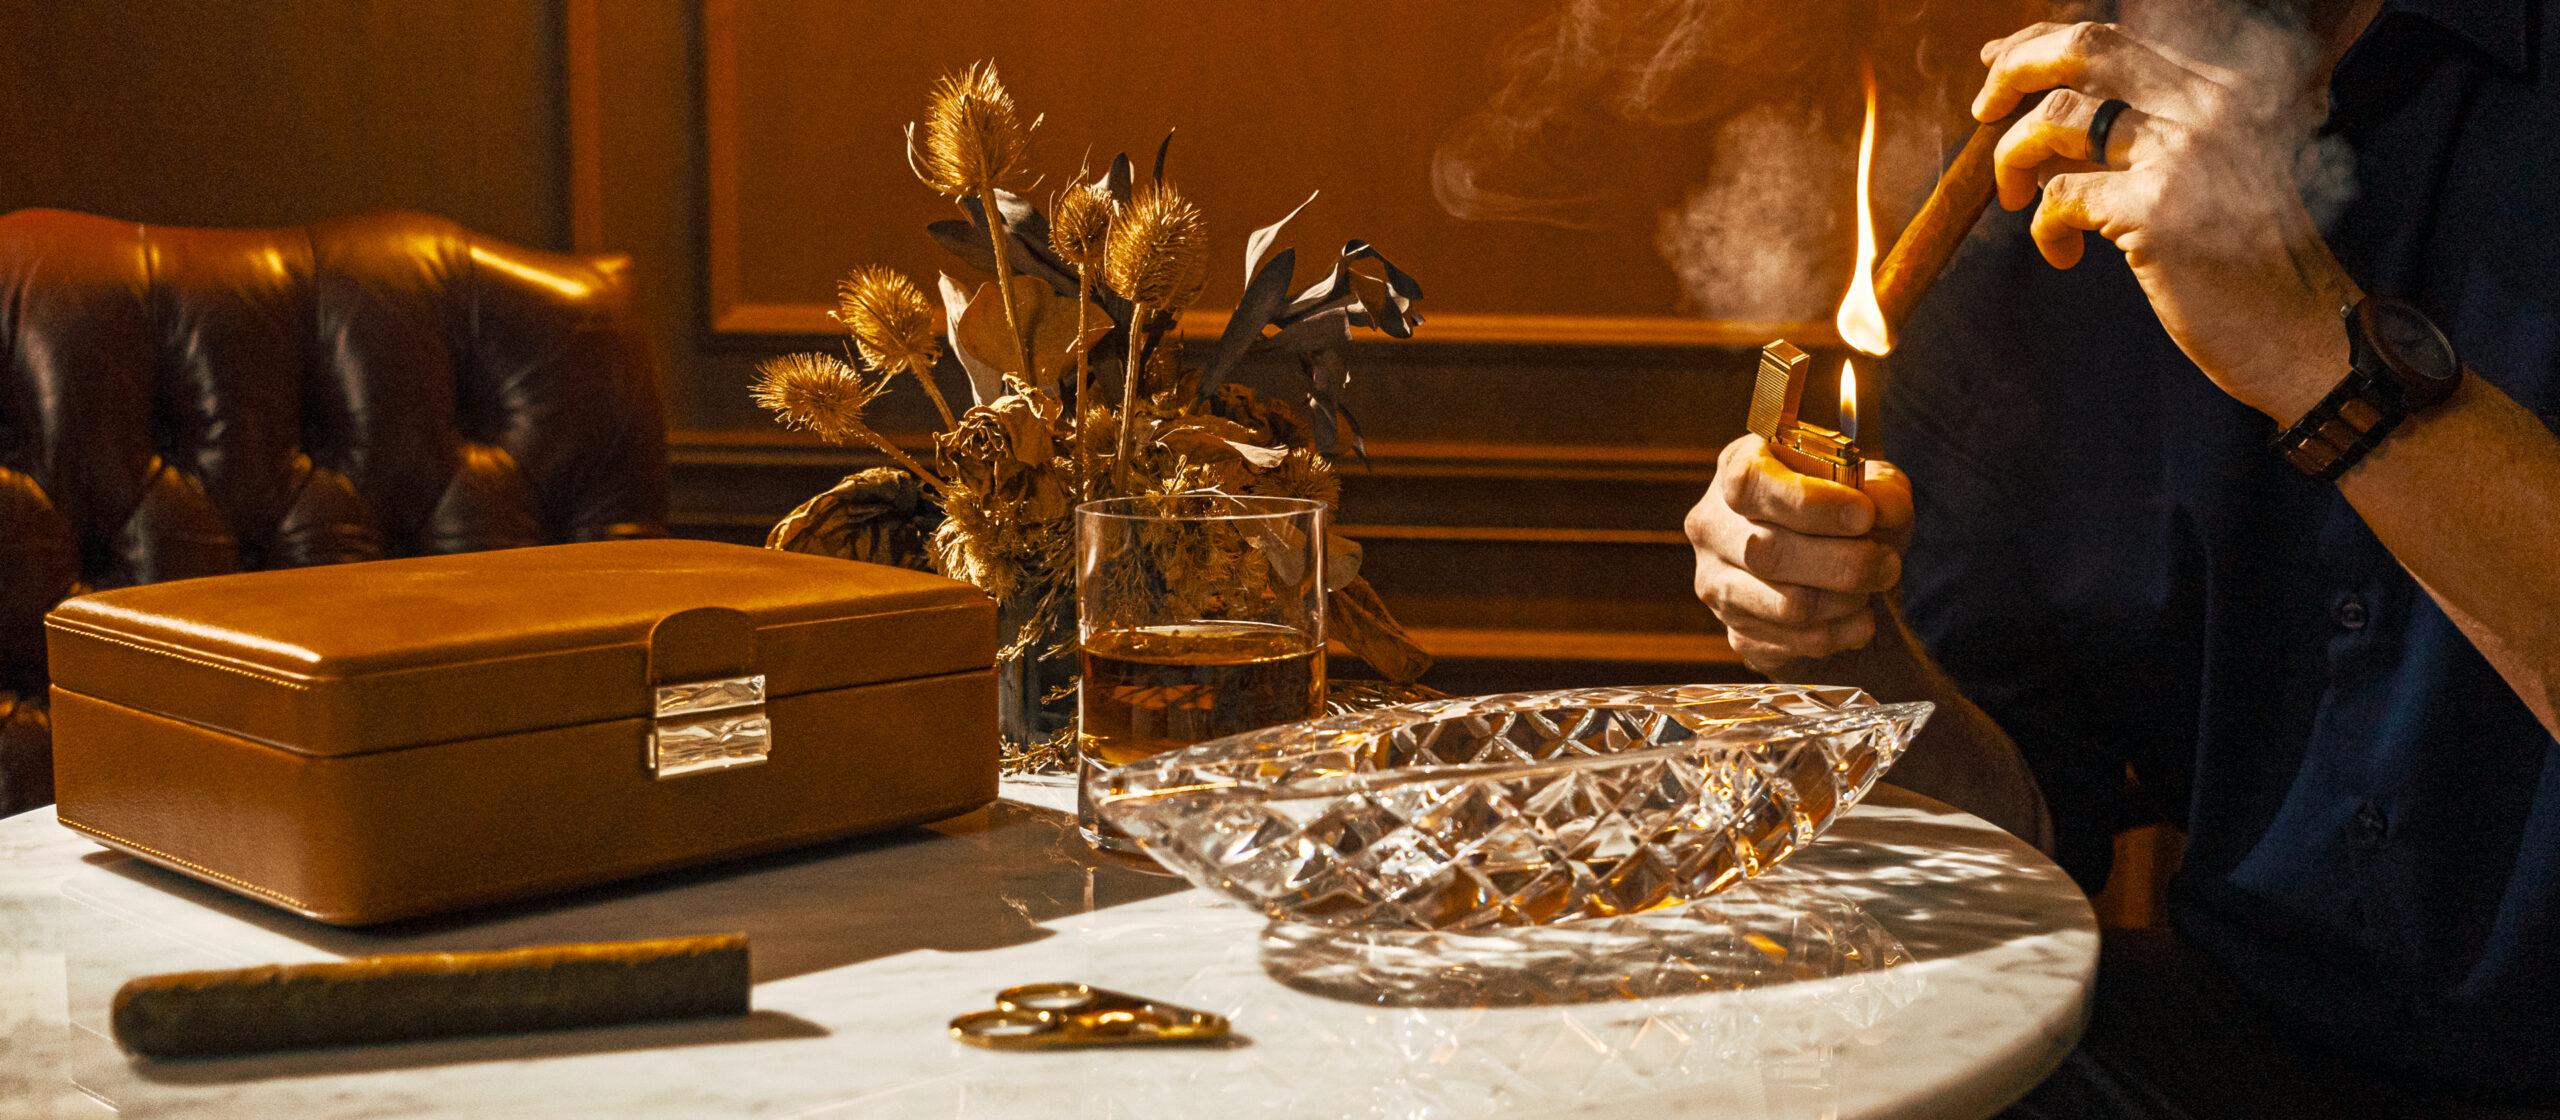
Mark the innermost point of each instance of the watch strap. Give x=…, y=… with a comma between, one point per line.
x=2340, y=430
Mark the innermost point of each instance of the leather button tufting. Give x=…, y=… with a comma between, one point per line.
x=199, y=401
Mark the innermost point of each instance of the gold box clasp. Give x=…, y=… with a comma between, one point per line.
x=701, y=726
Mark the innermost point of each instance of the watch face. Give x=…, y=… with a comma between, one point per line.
x=2415, y=357
x=2410, y=343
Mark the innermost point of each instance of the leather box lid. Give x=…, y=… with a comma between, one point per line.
x=373, y=656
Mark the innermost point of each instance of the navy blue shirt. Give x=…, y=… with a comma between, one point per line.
x=2111, y=561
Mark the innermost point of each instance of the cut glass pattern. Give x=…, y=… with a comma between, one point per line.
x=1518, y=809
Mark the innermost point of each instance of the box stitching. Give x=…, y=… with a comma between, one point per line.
x=268, y=676
x=639, y=721
x=190, y=865
x=183, y=655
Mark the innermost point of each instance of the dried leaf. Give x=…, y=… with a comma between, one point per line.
x=986, y=379
x=983, y=335
x=1030, y=231
x=1282, y=545
x=1357, y=618
x=1328, y=330
x=1327, y=376
x=1334, y=291
x=869, y=516
x=1258, y=243
x=1121, y=179
x=1212, y=439
x=1379, y=304
x=1263, y=296
x=1259, y=457
x=968, y=241
x=1162, y=149
x=1341, y=561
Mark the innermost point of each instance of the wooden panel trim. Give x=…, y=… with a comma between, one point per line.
x=1514, y=534
x=1647, y=647
x=731, y=313
x=730, y=447
x=584, y=72
x=793, y=320
x=1463, y=534
x=720, y=172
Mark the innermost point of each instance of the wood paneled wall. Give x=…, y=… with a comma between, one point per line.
x=274, y=112
x=1530, y=453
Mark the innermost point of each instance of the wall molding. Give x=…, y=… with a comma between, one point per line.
x=582, y=71
x=732, y=313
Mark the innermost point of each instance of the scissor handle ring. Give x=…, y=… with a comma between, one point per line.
x=1051, y=997
x=1002, y=1026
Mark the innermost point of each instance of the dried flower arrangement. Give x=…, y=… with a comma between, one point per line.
x=1098, y=281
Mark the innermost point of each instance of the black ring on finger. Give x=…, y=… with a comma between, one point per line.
x=2101, y=123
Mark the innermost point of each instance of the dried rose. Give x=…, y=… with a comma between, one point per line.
x=995, y=442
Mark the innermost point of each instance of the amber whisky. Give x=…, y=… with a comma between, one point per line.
x=1158, y=688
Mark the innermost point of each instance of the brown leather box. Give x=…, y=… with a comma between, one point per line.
x=383, y=740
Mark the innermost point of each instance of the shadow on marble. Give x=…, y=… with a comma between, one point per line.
x=758, y=1026
x=1852, y=903
x=1942, y=891
x=984, y=880
x=1770, y=932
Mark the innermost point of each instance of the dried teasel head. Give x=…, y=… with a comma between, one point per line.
x=891, y=324
x=819, y=392
x=1158, y=252
x=1303, y=474
x=1080, y=223
x=973, y=136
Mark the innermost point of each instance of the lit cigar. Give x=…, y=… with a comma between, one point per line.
x=1953, y=206
x=1880, y=296
x=431, y=995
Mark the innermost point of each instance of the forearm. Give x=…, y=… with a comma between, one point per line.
x=2467, y=497
x=1961, y=757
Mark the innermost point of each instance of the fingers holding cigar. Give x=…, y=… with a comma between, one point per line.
x=2096, y=59
x=2054, y=138
x=2109, y=204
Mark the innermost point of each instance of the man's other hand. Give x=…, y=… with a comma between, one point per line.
x=2197, y=186
x=1789, y=562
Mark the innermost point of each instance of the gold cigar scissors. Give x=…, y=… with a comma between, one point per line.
x=1058, y=1015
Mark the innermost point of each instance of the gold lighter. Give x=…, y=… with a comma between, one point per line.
x=1808, y=448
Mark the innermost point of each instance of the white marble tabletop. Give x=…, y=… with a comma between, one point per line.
x=1916, y=962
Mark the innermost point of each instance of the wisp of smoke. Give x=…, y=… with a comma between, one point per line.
x=1762, y=231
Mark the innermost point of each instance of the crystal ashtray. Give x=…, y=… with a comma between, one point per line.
x=1518, y=809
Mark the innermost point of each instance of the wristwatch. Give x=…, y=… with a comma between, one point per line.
x=2399, y=365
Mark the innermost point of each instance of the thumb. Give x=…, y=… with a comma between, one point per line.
x=1890, y=490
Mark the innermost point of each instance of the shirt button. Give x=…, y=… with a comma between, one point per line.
x=2368, y=827
x=2350, y=613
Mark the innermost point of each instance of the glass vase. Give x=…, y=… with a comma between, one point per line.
x=1035, y=702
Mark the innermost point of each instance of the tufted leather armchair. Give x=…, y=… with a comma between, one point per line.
x=187, y=402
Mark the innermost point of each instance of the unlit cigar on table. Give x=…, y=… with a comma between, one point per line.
x=431, y=995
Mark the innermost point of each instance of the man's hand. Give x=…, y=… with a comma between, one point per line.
x=2196, y=186
x=1789, y=562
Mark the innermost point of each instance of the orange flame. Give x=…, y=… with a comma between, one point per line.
x=1848, y=399
x=1861, y=319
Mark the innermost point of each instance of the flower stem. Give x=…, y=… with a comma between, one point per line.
x=1084, y=365
x=924, y=377
x=903, y=459
x=1129, y=397
x=1004, y=279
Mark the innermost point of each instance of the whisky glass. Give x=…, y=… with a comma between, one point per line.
x=1199, y=616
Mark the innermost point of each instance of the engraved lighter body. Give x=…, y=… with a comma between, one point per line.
x=1776, y=398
